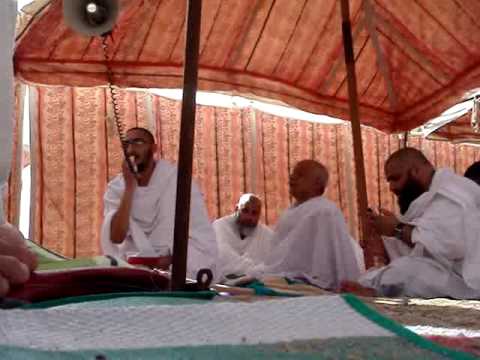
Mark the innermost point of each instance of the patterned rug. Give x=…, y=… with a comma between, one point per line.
x=136, y=326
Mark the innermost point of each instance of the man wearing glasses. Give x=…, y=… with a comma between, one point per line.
x=140, y=209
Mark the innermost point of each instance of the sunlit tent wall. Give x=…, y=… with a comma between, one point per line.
x=75, y=151
x=459, y=130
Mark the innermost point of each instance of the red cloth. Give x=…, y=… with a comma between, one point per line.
x=60, y=284
x=462, y=343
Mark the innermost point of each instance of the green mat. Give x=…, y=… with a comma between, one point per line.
x=44, y=255
x=49, y=260
x=128, y=299
x=351, y=348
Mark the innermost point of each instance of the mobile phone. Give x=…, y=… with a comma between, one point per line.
x=133, y=165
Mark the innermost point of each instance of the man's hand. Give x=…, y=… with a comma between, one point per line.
x=16, y=260
x=120, y=220
x=129, y=177
x=385, y=223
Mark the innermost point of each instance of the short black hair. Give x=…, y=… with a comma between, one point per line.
x=407, y=155
x=145, y=131
x=473, y=172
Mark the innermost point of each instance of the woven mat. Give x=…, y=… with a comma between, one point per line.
x=321, y=327
x=67, y=328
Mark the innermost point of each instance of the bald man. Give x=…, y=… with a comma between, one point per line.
x=311, y=239
x=243, y=241
x=434, y=245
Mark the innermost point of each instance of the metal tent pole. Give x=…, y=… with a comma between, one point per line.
x=185, y=156
x=355, y=123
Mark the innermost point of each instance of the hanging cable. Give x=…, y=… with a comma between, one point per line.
x=113, y=91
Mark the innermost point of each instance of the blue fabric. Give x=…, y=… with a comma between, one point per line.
x=261, y=289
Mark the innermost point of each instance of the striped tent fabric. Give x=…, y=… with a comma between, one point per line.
x=413, y=58
x=75, y=152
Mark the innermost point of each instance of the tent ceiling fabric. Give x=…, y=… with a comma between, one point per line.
x=414, y=58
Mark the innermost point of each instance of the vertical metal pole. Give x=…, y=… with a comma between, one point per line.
x=405, y=139
x=355, y=121
x=185, y=156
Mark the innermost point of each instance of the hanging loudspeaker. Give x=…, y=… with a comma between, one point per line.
x=91, y=17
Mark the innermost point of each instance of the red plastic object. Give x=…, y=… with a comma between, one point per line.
x=159, y=262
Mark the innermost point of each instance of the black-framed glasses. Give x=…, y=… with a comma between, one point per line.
x=137, y=141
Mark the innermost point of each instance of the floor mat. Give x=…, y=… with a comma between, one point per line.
x=323, y=327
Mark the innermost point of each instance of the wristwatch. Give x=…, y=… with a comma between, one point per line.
x=398, y=231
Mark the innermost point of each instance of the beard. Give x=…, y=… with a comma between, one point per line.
x=242, y=224
x=245, y=229
x=410, y=192
x=143, y=165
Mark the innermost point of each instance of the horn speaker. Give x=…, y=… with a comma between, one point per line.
x=91, y=17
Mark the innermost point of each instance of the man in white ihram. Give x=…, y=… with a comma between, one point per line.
x=242, y=241
x=311, y=240
x=434, y=247
x=16, y=260
x=140, y=209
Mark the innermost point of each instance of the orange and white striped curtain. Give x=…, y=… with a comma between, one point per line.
x=76, y=151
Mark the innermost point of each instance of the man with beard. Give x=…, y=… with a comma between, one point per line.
x=140, y=210
x=434, y=246
x=311, y=239
x=242, y=241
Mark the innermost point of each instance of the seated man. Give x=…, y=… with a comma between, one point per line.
x=434, y=247
x=473, y=172
x=242, y=241
x=140, y=210
x=311, y=239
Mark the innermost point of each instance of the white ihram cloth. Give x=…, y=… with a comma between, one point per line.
x=311, y=240
x=237, y=255
x=8, y=10
x=445, y=259
x=152, y=219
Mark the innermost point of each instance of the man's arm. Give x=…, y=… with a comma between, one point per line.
x=16, y=260
x=120, y=221
x=202, y=246
x=406, y=235
x=119, y=225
